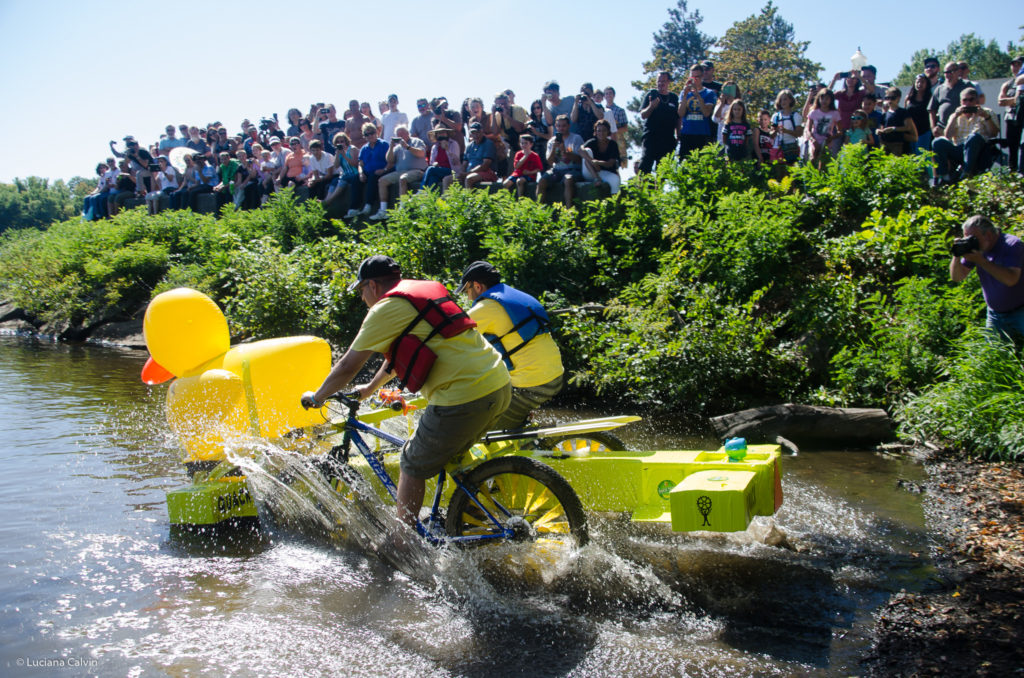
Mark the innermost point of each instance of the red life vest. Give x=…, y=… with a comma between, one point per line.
x=409, y=356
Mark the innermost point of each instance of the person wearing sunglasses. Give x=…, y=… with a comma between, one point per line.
x=963, y=150
x=945, y=99
x=897, y=131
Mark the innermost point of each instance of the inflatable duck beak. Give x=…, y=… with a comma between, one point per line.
x=154, y=373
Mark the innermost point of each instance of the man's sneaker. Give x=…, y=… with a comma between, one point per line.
x=378, y=215
x=367, y=209
x=351, y=214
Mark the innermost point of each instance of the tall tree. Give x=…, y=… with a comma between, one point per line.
x=677, y=46
x=986, y=60
x=762, y=55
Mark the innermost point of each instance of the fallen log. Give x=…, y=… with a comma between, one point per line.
x=808, y=426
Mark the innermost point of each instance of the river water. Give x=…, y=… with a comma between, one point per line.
x=93, y=583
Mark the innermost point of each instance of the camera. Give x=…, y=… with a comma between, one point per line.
x=266, y=124
x=844, y=74
x=970, y=109
x=962, y=246
x=558, y=137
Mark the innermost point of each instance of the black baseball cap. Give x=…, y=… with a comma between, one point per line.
x=481, y=272
x=377, y=266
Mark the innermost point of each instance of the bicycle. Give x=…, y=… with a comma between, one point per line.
x=494, y=498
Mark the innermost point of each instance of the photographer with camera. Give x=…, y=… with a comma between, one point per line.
x=659, y=111
x=140, y=161
x=585, y=113
x=998, y=258
x=960, y=152
x=449, y=120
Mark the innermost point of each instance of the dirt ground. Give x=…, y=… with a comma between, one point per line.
x=972, y=622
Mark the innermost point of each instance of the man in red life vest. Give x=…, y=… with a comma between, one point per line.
x=432, y=346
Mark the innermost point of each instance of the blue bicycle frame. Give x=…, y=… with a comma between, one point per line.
x=433, y=531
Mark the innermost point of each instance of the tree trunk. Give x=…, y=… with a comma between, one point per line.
x=808, y=426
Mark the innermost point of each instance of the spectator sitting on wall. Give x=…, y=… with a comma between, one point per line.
x=960, y=151
x=600, y=158
x=372, y=165
x=525, y=167
x=478, y=163
x=139, y=161
x=345, y=175
x=407, y=155
x=444, y=157
x=897, y=132
x=226, y=171
x=563, y=151
x=319, y=164
x=293, y=170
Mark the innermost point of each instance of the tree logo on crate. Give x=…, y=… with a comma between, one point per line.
x=704, y=506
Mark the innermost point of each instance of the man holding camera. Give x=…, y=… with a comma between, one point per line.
x=965, y=139
x=585, y=113
x=140, y=162
x=565, y=162
x=999, y=258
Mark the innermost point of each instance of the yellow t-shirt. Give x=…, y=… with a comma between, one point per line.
x=467, y=367
x=534, y=364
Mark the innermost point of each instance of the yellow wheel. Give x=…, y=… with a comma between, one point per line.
x=517, y=493
x=598, y=442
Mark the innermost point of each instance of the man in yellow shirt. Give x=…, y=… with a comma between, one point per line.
x=432, y=346
x=516, y=325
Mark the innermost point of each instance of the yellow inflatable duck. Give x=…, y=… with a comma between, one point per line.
x=226, y=393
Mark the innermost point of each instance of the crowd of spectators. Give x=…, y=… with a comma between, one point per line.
x=355, y=157
x=942, y=112
x=557, y=142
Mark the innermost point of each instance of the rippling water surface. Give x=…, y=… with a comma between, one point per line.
x=93, y=583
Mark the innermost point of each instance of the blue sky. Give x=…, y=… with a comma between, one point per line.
x=76, y=74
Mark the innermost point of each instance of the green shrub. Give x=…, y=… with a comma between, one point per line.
x=906, y=340
x=857, y=182
x=978, y=405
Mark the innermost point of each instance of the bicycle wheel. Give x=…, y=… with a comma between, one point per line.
x=521, y=493
x=597, y=442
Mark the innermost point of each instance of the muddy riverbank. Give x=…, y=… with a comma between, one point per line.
x=971, y=623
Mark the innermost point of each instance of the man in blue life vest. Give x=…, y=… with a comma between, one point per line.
x=432, y=346
x=517, y=326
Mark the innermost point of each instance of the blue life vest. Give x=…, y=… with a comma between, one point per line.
x=527, y=315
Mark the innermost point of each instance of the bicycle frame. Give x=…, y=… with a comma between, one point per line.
x=433, y=530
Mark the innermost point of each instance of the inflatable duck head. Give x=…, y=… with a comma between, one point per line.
x=224, y=393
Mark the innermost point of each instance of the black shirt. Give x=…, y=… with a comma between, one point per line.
x=660, y=126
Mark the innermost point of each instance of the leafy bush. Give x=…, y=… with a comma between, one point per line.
x=978, y=405
x=857, y=182
x=907, y=338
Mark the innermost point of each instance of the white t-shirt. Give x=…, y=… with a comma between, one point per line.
x=321, y=165
x=390, y=121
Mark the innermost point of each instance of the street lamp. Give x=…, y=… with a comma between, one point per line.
x=858, y=60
